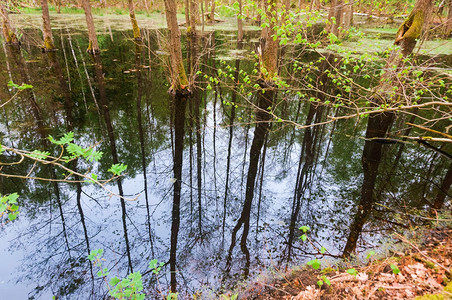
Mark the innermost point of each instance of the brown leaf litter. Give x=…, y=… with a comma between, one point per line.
x=424, y=270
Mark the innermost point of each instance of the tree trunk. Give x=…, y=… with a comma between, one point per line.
x=379, y=124
x=338, y=13
x=212, y=11
x=348, y=16
x=240, y=24
x=411, y=29
x=193, y=17
x=448, y=25
x=187, y=14
x=180, y=91
x=133, y=19
x=93, y=47
x=179, y=81
x=8, y=31
x=46, y=29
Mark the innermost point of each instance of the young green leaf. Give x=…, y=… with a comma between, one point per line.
x=395, y=269
x=352, y=272
x=304, y=228
x=39, y=154
x=117, y=169
x=370, y=254
x=315, y=263
x=114, y=281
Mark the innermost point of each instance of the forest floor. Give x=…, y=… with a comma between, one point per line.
x=420, y=271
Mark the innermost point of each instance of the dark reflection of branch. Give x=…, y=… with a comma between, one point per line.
x=179, y=105
x=16, y=54
x=196, y=96
x=260, y=134
x=377, y=127
x=303, y=181
x=138, y=64
x=231, y=134
x=68, y=107
x=111, y=137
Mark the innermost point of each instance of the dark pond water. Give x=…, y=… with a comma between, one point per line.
x=119, y=103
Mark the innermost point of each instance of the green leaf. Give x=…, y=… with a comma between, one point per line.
x=39, y=154
x=304, y=228
x=352, y=272
x=395, y=269
x=75, y=150
x=315, y=263
x=303, y=237
x=117, y=169
x=12, y=217
x=322, y=250
x=22, y=87
x=1, y=149
x=370, y=254
x=114, y=281
x=153, y=263
x=12, y=198
x=66, y=139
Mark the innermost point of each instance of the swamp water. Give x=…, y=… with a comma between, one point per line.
x=119, y=103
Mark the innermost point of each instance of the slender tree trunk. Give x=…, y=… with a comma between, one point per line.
x=133, y=19
x=212, y=11
x=93, y=47
x=46, y=29
x=8, y=31
x=348, y=15
x=194, y=15
x=179, y=81
x=58, y=6
x=202, y=17
x=187, y=14
x=240, y=24
x=448, y=23
x=180, y=90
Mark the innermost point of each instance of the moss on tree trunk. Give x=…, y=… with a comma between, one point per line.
x=93, y=46
x=133, y=19
x=46, y=29
x=8, y=31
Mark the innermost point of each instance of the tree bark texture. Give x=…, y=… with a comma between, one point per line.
x=269, y=55
x=239, y=23
x=46, y=29
x=411, y=29
x=8, y=31
x=93, y=47
x=448, y=25
x=133, y=19
x=179, y=79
